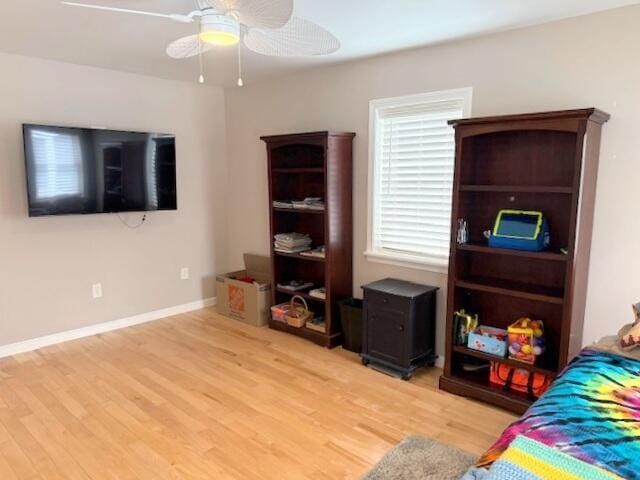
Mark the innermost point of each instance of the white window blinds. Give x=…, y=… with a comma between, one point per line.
x=58, y=164
x=412, y=174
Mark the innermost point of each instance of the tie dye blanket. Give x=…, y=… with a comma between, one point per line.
x=591, y=412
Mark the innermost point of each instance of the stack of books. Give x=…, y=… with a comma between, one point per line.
x=292, y=242
x=309, y=203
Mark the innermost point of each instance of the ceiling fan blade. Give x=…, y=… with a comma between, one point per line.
x=298, y=38
x=258, y=13
x=187, y=47
x=176, y=17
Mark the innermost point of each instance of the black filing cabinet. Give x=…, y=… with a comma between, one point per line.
x=399, y=326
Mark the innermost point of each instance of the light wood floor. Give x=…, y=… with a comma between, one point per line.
x=201, y=396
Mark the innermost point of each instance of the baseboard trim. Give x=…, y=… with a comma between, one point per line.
x=48, y=340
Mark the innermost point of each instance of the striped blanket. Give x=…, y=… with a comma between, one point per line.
x=526, y=459
x=591, y=412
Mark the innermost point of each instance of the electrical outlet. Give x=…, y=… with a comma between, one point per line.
x=97, y=290
x=184, y=273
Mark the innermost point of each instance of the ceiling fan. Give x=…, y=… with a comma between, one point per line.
x=267, y=27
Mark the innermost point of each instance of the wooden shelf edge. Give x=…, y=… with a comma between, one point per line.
x=319, y=338
x=486, y=394
x=299, y=170
x=300, y=257
x=592, y=114
x=303, y=294
x=299, y=210
x=324, y=133
x=513, y=363
x=515, y=189
x=544, y=255
x=485, y=287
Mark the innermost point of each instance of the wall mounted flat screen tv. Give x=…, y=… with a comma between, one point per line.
x=82, y=170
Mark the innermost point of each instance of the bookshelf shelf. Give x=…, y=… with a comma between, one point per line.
x=546, y=255
x=516, y=189
x=304, y=294
x=498, y=286
x=300, y=257
x=298, y=170
x=299, y=210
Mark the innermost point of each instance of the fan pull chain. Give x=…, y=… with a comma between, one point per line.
x=240, y=81
x=201, y=79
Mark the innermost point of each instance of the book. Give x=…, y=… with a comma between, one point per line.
x=309, y=203
x=318, y=252
x=318, y=293
x=282, y=204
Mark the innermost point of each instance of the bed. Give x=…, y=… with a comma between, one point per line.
x=591, y=413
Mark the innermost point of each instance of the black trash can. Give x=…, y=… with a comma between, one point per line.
x=351, y=316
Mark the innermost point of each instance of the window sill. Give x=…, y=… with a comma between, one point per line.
x=409, y=261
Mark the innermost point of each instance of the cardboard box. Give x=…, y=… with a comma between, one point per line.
x=247, y=302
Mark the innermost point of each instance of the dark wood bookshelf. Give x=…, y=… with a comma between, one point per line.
x=546, y=162
x=317, y=164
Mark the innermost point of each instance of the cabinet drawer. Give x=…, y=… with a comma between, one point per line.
x=381, y=300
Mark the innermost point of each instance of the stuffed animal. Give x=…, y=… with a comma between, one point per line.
x=630, y=334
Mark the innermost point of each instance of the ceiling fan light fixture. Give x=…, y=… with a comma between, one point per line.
x=219, y=30
x=223, y=39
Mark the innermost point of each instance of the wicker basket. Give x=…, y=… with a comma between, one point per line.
x=299, y=313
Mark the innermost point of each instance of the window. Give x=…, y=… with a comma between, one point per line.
x=58, y=164
x=412, y=150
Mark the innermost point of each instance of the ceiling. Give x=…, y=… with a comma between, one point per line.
x=46, y=29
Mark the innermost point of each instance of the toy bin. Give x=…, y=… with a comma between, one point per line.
x=278, y=312
x=526, y=340
x=489, y=340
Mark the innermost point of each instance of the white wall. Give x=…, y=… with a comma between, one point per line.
x=48, y=264
x=580, y=62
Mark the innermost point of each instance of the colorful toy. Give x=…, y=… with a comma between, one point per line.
x=526, y=340
x=629, y=335
x=464, y=323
